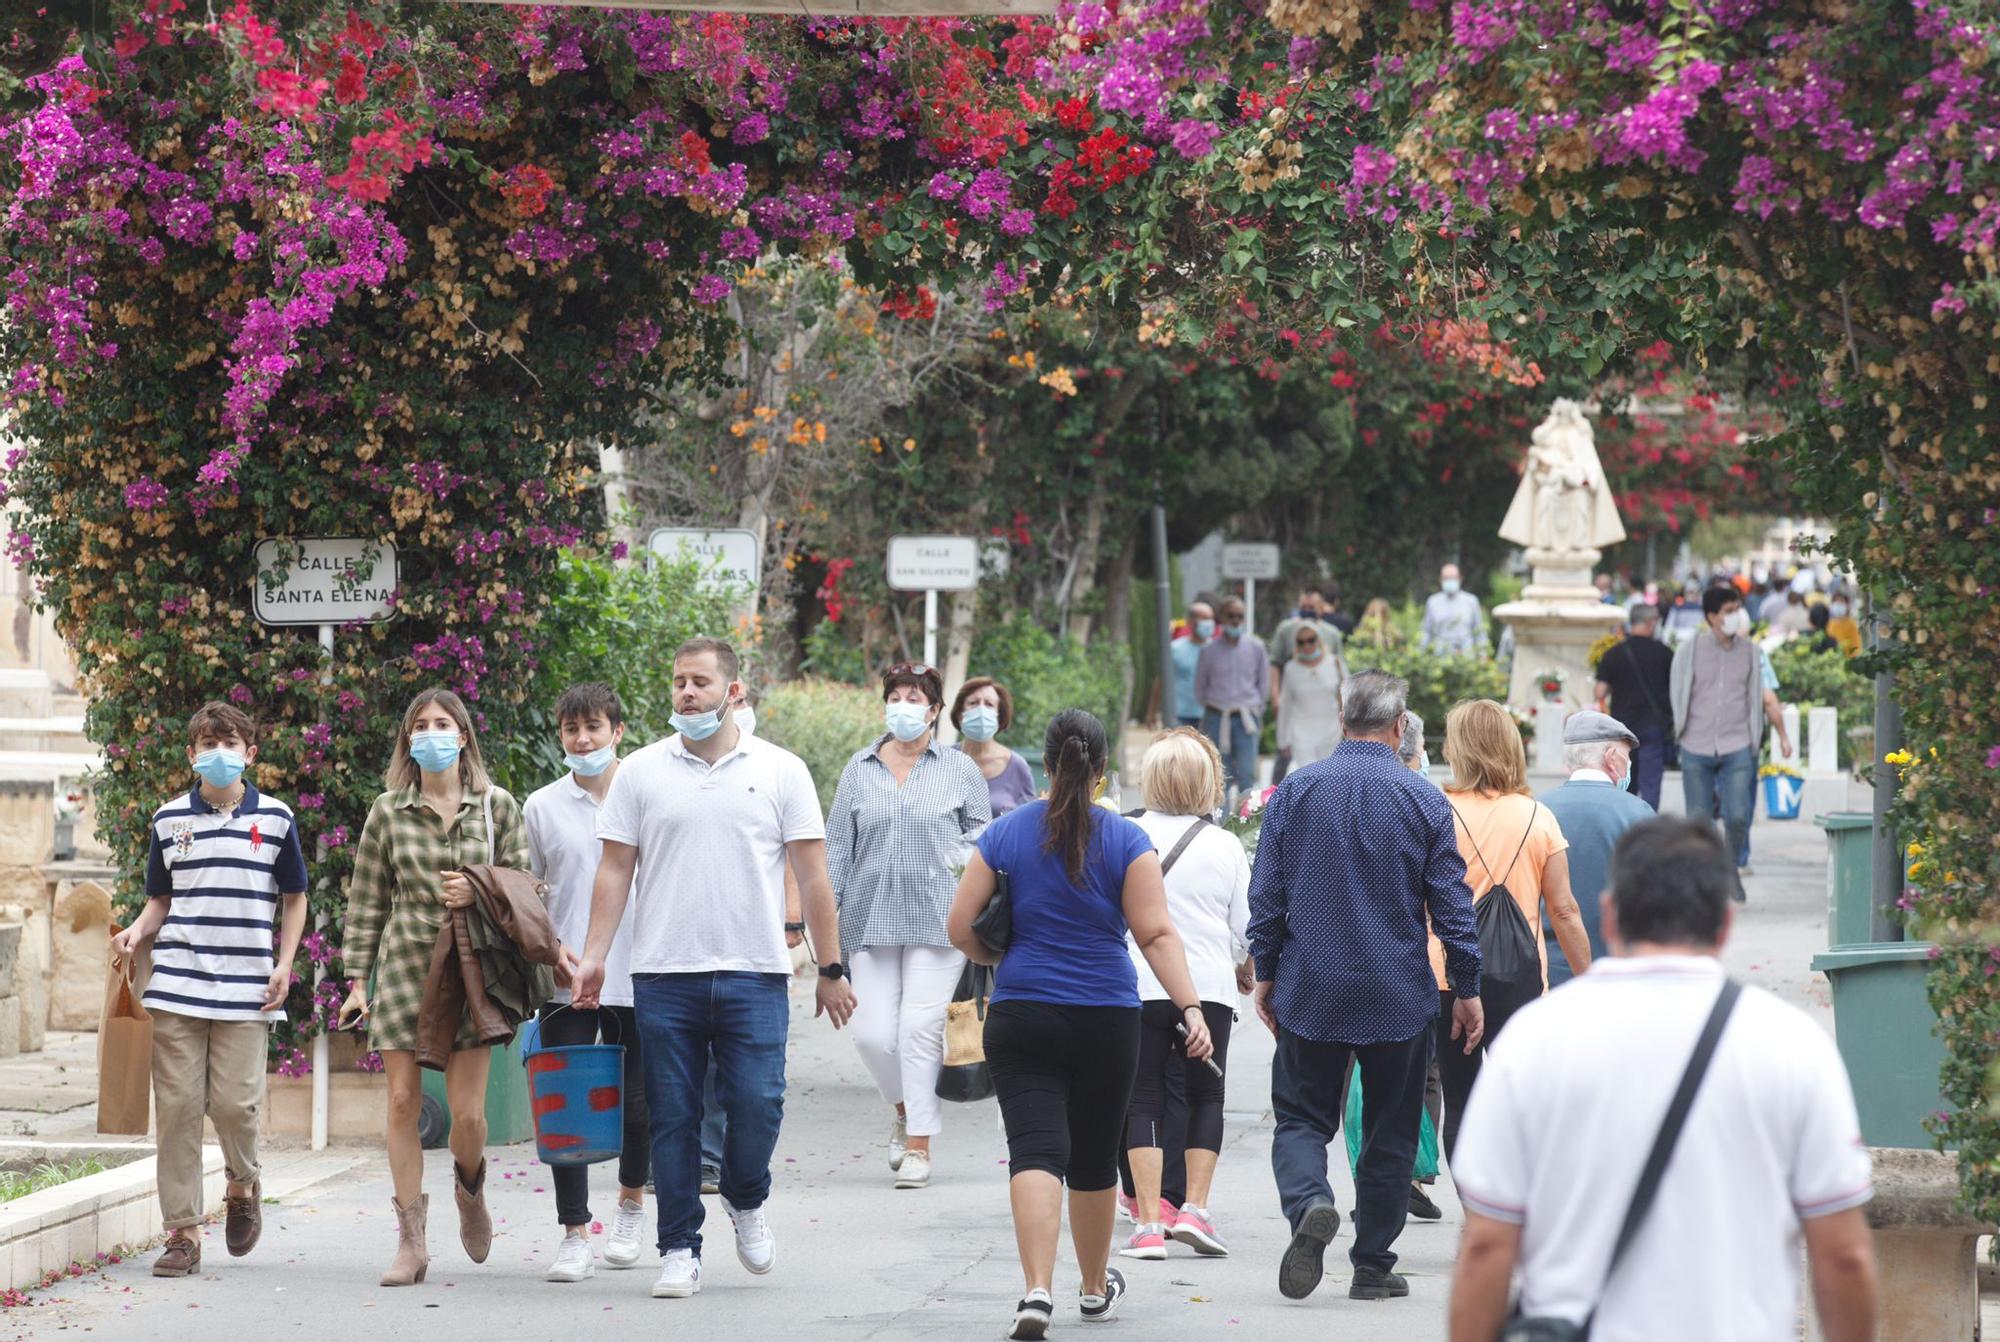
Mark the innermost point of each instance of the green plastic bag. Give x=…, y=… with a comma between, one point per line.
x=1427, y=1142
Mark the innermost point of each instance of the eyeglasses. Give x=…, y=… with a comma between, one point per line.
x=1309, y=643
x=911, y=669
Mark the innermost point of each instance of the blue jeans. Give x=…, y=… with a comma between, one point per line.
x=1649, y=765
x=712, y=1121
x=1308, y=1098
x=1722, y=783
x=745, y=1019
x=1240, y=759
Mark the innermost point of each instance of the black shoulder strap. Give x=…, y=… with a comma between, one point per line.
x=1670, y=1134
x=1186, y=839
x=1534, y=813
x=1468, y=836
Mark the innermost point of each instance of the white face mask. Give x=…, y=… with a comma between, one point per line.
x=1449, y=585
x=1736, y=624
x=746, y=720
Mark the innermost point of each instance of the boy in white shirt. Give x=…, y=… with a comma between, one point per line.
x=563, y=847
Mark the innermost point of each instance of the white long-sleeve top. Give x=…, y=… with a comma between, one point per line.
x=1208, y=899
x=1309, y=709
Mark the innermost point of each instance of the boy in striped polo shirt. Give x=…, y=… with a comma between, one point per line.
x=225, y=859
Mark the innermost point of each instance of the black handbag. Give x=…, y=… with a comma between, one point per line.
x=1510, y=954
x=995, y=923
x=1520, y=1329
x=971, y=1079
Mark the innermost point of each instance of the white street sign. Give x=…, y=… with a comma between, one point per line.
x=327, y=581
x=933, y=563
x=1251, y=561
x=732, y=555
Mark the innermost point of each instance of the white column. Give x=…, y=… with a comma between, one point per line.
x=1791, y=716
x=1823, y=743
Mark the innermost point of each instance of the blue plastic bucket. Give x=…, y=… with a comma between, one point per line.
x=1782, y=795
x=576, y=1093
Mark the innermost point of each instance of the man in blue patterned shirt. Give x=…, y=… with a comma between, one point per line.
x=1357, y=854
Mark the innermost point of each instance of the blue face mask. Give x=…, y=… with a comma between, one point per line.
x=697, y=726
x=980, y=724
x=1625, y=782
x=434, y=752
x=593, y=764
x=906, y=721
x=1232, y=631
x=219, y=767
x=1204, y=629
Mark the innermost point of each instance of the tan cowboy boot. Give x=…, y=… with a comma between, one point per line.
x=475, y=1224
x=413, y=1256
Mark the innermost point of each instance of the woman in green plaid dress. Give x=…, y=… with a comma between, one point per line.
x=432, y=820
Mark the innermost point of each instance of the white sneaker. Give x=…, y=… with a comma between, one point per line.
x=680, y=1275
x=574, y=1261
x=899, y=1142
x=756, y=1247
x=915, y=1171
x=625, y=1245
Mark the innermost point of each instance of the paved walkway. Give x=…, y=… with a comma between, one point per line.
x=857, y=1259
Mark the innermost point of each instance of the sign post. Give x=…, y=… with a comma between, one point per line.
x=1250, y=562
x=933, y=564
x=323, y=581
x=734, y=556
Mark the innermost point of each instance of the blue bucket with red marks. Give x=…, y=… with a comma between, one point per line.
x=577, y=1095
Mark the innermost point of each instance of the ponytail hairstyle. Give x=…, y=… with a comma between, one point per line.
x=1074, y=752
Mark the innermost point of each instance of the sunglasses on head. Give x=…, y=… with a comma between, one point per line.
x=912, y=669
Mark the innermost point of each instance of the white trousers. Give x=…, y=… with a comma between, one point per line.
x=901, y=994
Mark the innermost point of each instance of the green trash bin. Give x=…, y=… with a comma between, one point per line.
x=1850, y=875
x=508, y=1119
x=1887, y=1033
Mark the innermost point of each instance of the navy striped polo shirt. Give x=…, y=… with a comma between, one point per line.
x=223, y=872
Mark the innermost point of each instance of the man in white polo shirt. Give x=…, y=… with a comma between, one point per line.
x=1566, y=1112
x=709, y=820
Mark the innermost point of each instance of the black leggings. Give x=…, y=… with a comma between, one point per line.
x=1157, y=1044
x=1064, y=1077
x=564, y=1025
x=1457, y=1070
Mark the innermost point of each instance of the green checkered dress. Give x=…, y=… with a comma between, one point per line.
x=395, y=898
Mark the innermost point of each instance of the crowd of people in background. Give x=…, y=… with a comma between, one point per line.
x=1390, y=931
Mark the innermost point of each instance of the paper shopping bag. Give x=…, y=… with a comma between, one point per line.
x=124, y=1055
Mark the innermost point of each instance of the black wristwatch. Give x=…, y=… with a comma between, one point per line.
x=836, y=970
x=795, y=927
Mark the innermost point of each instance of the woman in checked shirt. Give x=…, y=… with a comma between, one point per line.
x=901, y=816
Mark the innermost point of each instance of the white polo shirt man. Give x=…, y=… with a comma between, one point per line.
x=709, y=892
x=1563, y=1118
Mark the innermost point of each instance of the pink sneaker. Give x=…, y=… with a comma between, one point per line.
x=1167, y=1213
x=1147, y=1241
x=1128, y=1208
x=1192, y=1227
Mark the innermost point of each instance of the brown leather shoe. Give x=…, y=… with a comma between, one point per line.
x=181, y=1258
x=475, y=1224
x=245, y=1221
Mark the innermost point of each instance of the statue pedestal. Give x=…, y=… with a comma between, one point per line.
x=1556, y=620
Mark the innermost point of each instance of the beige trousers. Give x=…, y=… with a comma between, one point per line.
x=211, y=1068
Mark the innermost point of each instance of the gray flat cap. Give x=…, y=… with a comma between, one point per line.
x=1590, y=725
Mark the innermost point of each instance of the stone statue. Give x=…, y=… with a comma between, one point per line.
x=1563, y=506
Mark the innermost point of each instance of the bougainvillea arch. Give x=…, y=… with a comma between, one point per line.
x=403, y=271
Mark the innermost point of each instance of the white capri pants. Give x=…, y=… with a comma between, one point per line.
x=898, y=1024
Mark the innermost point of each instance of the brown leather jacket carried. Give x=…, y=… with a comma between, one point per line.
x=494, y=960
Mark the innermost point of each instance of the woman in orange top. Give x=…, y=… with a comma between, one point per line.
x=1500, y=822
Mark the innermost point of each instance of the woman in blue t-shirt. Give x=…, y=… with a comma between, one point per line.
x=1062, y=1035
